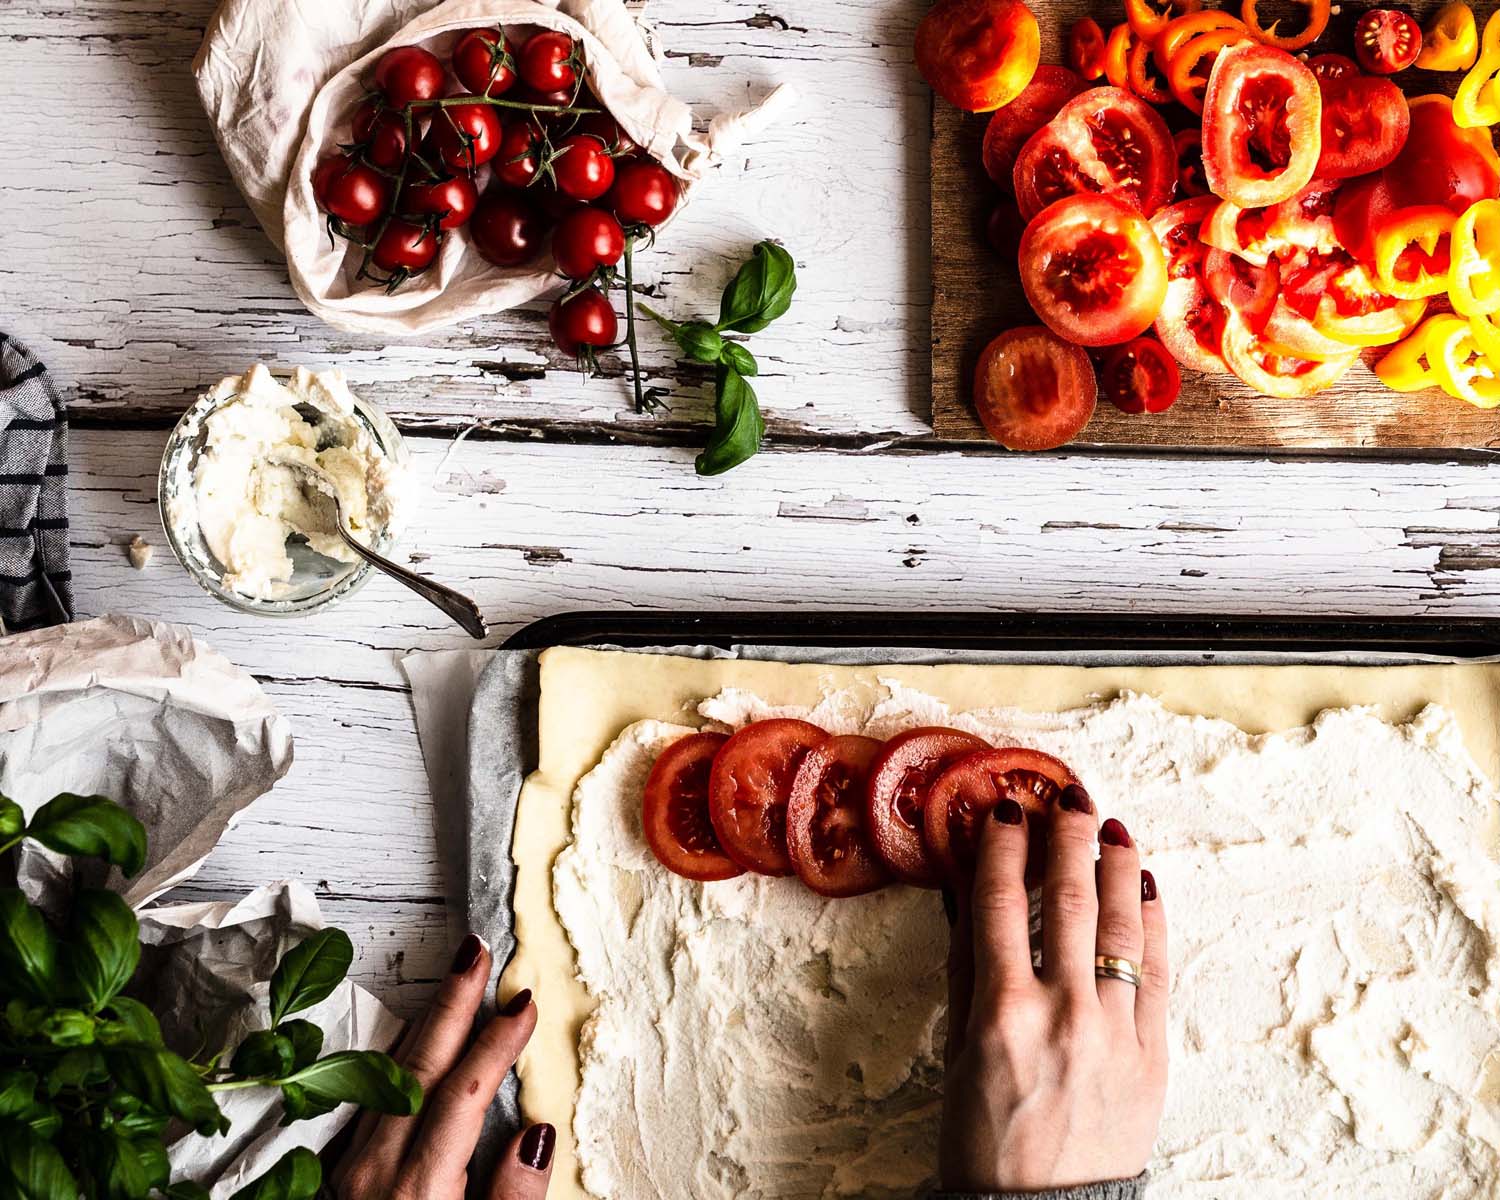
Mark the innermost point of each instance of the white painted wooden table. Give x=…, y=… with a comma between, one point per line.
x=130, y=264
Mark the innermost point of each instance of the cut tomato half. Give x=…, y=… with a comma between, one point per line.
x=1140, y=377
x=749, y=788
x=1272, y=372
x=1189, y=146
x=825, y=819
x=1032, y=390
x=899, y=787
x=1105, y=140
x=1362, y=206
x=674, y=812
x=1191, y=322
x=966, y=792
x=1050, y=88
x=1242, y=287
x=1364, y=125
x=1261, y=117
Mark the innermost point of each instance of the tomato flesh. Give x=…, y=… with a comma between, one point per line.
x=1050, y=88
x=978, y=54
x=1140, y=377
x=748, y=791
x=674, y=812
x=825, y=819
x=899, y=783
x=1032, y=390
x=1261, y=125
x=1191, y=322
x=1442, y=163
x=1386, y=40
x=1364, y=125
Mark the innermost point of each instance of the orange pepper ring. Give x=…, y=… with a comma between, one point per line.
x=1318, y=12
x=1187, y=85
x=1151, y=90
x=1180, y=31
x=1147, y=21
x=1116, y=56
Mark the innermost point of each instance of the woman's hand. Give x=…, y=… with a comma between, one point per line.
x=426, y=1157
x=1055, y=1078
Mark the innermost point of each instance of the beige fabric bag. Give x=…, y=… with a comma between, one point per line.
x=280, y=82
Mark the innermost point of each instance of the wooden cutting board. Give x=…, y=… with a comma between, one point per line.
x=976, y=295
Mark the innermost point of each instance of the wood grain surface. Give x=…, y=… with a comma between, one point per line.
x=976, y=295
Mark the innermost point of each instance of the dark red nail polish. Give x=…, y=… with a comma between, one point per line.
x=1112, y=833
x=467, y=955
x=1008, y=812
x=1148, y=887
x=516, y=1005
x=536, y=1146
x=1075, y=799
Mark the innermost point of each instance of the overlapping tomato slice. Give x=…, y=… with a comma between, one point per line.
x=1261, y=125
x=1272, y=370
x=1191, y=322
x=1050, y=88
x=825, y=819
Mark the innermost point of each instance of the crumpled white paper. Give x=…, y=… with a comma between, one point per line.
x=280, y=83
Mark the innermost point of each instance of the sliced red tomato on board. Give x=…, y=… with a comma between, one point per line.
x=965, y=793
x=1273, y=372
x=1364, y=125
x=1093, y=270
x=825, y=819
x=978, y=54
x=899, y=786
x=1362, y=205
x=1261, y=117
x=1441, y=162
x=749, y=787
x=1386, y=40
x=1290, y=333
x=1305, y=222
x=1333, y=66
x=674, y=813
x=1242, y=287
x=1140, y=377
x=1191, y=322
x=1343, y=300
x=1009, y=128
x=1032, y=390
x=1189, y=146
x=1086, y=48
x=1105, y=140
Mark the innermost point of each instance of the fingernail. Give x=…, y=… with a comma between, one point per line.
x=1148, y=887
x=467, y=954
x=1075, y=799
x=536, y=1146
x=1112, y=833
x=1008, y=812
x=950, y=906
x=516, y=1005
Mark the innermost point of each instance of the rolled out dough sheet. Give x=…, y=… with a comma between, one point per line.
x=589, y=696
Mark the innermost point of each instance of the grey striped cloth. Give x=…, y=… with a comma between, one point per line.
x=35, y=583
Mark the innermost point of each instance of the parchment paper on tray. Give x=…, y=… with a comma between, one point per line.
x=144, y=714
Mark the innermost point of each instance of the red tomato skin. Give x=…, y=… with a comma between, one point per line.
x=382, y=132
x=840, y=766
x=481, y=122
x=405, y=247
x=518, y=159
x=1010, y=127
x=978, y=54
x=1228, y=165
x=546, y=62
x=583, y=167
x=506, y=229
x=1191, y=321
x=1386, y=40
x=610, y=132
x=351, y=191
x=586, y=319
x=1032, y=390
x=585, y=240
x=764, y=757
x=1364, y=125
x=898, y=788
x=408, y=74
x=679, y=775
x=479, y=61
x=451, y=200
x=644, y=193
x=1441, y=163
x=1140, y=377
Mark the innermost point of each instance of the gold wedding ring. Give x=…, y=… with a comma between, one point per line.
x=1122, y=969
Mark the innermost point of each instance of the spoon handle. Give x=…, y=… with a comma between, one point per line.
x=455, y=604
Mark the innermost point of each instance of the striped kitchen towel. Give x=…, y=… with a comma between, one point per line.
x=35, y=583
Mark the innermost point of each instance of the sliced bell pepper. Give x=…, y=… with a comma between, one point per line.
x=1463, y=370
x=1408, y=366
x=1486, y=335
x=1474, y=248
x=1145, y=81
x=1318, y=12
x=1187, y=75
x=1477, y=101
x=1451, y=40
x=1412, y=252
x=1117, y=56
x=1148, y=19
x=1377, y=327
x=1181, y=30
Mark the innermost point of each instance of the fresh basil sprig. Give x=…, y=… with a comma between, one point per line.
x=88, y=1087
x=760, y=292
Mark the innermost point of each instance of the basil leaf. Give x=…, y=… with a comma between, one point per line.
x=127, y=1169
x=133, y=1023
x=77, y=1069
x=186, y=1189
x=264, y=1054
x=17, y=1092
x=298, y=1105
x=736, y=357
x=700, y=341
x=307, y=1041
x=738, y=427
x=103, y=946
x=67, y=1027
x=366, y=1077
x=28, y=950
x=167, y=1084
x=91, y=825
x=760, y=292
x=297, y=1175
x=33, y=1166
x=12, y=818
x=309, y=972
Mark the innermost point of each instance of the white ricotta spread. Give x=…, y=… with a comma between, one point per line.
x=248, y=500
x=1333, y=914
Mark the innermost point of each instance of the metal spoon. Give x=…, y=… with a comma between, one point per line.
x=320, y=490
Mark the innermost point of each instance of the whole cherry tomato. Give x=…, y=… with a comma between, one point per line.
x=610, y=132
x=406, y=247
x=506, y=229
x=451, y=200
x=382, y=132
x=583, y=167
x=519, y=157
x=483, y=62
x=466, y=136
x=644, y=194
x=409, y=73
x=585, y=320
x=351, y=191
x=585, y=240
x=548, y=62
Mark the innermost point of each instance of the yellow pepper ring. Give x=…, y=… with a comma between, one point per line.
x=1424, y=229
x=1476, y=102
x=1408, y=366
x=1474, y=250
x=1462, y=370
x=1451, y=41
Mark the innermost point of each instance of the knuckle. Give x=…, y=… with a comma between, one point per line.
x=361, y=1182
x=1117, y=931
x=995, y=902
x=1071, y=900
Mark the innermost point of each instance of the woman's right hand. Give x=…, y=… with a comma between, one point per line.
x=1055, y=1078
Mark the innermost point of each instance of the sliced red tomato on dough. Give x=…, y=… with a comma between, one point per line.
x=1191, y=322
x=1261, y=125
x=1364, y=125
x=1093, y=270
x=749, y=788
x=1050, y=88
x=1442, y=163
x=674, y=813
x=1273, y=372
x=1105, y=140
x=899, y=784
x=966, y=792
x=825, y=819
x=1032, y=390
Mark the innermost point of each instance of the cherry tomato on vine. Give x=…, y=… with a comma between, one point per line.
x=483, y=62
x=451, y=200
x=585, y=240
x=583, y=167
x=351, y=191
x=409, y=73
x=1140, y=377
x=519, y=158
x=382, y=132
x=978, y=54
x=610, y=132
x=1387, y=40
x=585, y=320
x=467, y=136
x=548, y=62
x=405, y=247
x=506, y=229
x=644, y=193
